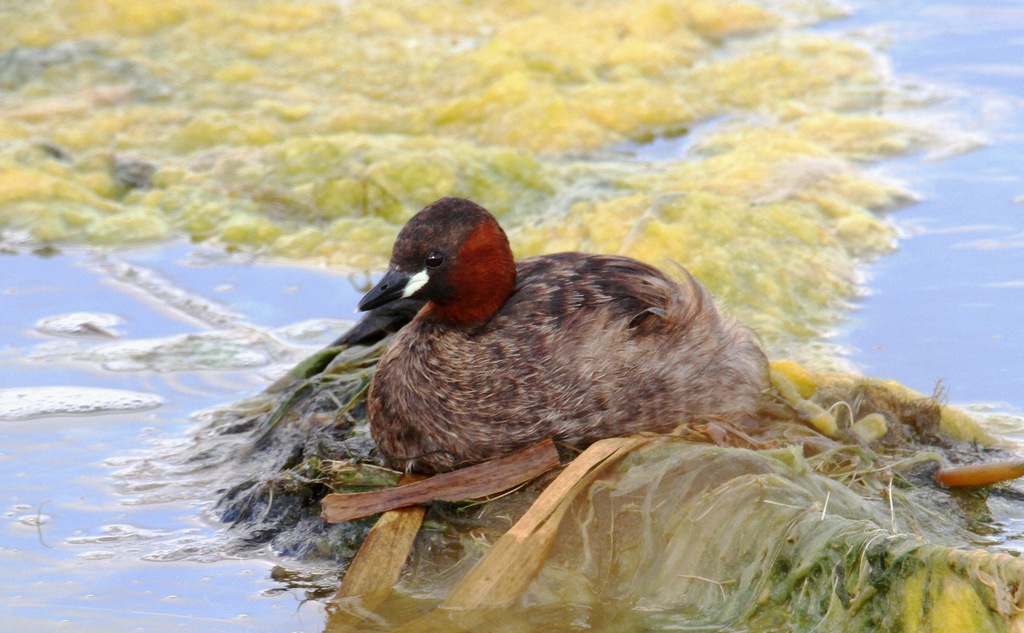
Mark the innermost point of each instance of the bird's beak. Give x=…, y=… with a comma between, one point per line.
x=388, y=289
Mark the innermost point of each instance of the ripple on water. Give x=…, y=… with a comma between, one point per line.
x=97, y=555
x=31, y=402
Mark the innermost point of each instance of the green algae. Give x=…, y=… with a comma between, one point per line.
x=312, y=130
x=681, y=528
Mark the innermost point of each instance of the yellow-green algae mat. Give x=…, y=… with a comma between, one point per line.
x=311, y=130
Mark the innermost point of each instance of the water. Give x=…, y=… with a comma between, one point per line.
x=78, y=552
x=949, y=305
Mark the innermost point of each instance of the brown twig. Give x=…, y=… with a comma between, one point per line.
x=980, y=474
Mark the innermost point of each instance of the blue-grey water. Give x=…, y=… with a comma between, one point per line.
x=949, y=304
x=77, y=552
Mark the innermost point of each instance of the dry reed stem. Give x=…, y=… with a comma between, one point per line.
x=379, y=561
x=378, y=564
x=482, y=480
x=980, y=474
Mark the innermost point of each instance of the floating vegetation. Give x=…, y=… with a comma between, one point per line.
x=313, y=131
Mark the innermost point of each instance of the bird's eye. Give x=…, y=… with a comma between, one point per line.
x=434, y=259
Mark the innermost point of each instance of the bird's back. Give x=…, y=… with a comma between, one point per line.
x=586, y=347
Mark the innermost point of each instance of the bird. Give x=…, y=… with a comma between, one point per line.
x=569, y=346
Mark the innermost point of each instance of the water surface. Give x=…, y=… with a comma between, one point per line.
x=949, y=304
x=77, y=550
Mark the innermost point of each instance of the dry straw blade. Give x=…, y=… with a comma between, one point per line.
x=378, y=563
x=475, y=482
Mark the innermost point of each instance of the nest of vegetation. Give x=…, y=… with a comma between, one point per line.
x=823, y=513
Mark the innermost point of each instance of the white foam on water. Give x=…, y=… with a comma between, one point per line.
x=31, y=402
x=81, y=324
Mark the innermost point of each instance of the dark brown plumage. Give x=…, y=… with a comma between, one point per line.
x=570, y=346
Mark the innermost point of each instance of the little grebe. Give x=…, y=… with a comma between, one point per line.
x=570, y=346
